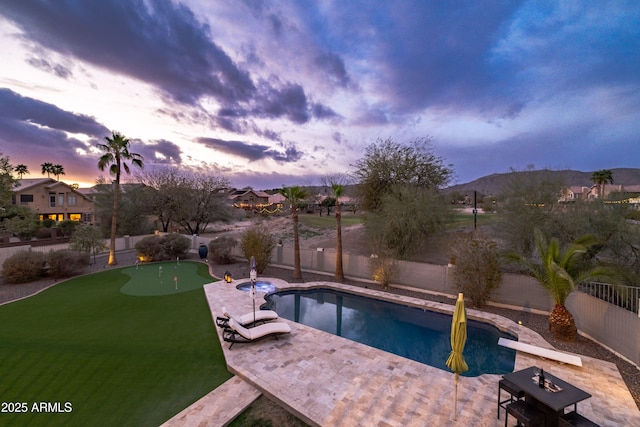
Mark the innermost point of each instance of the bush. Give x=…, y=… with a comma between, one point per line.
x=150, y=249
x=43, y=233
x=23, y=267
x=477, y=270
x=48, y=222
x=159, y=248
x=175, y=245
x=220, y=250
x=66, y=263
x=383, y=268
x=67, y=227
x=259, y=243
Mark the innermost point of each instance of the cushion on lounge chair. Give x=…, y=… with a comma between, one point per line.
x=260, y=331
x=245, y=319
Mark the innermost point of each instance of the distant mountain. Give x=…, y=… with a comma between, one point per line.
x=494, y=183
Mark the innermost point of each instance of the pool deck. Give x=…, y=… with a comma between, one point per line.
x=327, y=380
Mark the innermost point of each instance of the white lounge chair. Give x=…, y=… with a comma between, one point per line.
x=246, y=319
x=239, y=334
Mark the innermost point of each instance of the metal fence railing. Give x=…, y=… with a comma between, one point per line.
x=627, y=297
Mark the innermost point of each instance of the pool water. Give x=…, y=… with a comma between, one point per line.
x=261, y=286
x=411, y=332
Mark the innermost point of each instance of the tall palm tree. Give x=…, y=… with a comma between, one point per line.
x=295, y=195
x=338, y=191
x=21, y=170
x=47, y=168
x=559, y=273
x=57, y=170
x=116, y=151
x=601, y=178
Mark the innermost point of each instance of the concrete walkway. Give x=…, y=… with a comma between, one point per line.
x=327, y=380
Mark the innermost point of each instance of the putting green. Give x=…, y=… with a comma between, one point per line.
x=163, y=278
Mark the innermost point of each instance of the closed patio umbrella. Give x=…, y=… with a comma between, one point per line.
x=253, y=275
x=456, y=361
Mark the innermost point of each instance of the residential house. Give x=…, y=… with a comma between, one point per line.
x=573, y=193
x=53, y=199
x=257, y=201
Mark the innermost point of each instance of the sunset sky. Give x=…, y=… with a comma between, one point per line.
x=283, y=92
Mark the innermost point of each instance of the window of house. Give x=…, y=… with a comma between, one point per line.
x=72, y=200
x=52, y=200
x=86, y=217
x=60, y=199
x=26, y=198
x=75, y=217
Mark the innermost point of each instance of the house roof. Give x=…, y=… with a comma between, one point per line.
x=25, y=184
x=49, y=183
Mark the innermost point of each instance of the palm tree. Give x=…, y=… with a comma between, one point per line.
x=294, y=195
x=21, y=170
x=57, y=170
x=338, y=191
x=601, y=178
x=559, y=273
x=116, y=151
x=47, y=168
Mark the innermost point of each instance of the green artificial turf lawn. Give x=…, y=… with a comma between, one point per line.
x=117, y=359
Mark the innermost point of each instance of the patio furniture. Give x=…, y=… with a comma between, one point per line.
x=262, y=316
x=239, y=334
x=551, y=399
x=515, y=393
x=573, y=419
x=526, y=414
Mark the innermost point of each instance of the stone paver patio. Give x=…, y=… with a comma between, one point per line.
x=327, y=380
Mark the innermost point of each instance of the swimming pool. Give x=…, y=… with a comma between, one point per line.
x=411, y=332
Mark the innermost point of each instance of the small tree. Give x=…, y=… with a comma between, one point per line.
x=259, y=243
x=88, y=239
x=477, y=271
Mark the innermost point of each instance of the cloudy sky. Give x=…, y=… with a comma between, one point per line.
x=272, y=93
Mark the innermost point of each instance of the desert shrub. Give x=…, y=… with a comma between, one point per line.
x=175, y=245
x=66, y=262
x=67, y=227
x=150, y=249
x=477, y=270
x=43, y=233
x=259, y=243
x=633, y=215
x=220, y=250
x=158, y=248
x=383, y=268
x=23, y=267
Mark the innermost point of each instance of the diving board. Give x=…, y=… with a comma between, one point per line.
x=542, y=352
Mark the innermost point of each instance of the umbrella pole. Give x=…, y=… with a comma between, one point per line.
x=455, y=401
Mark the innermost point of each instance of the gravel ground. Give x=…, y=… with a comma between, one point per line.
x=630, y=373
